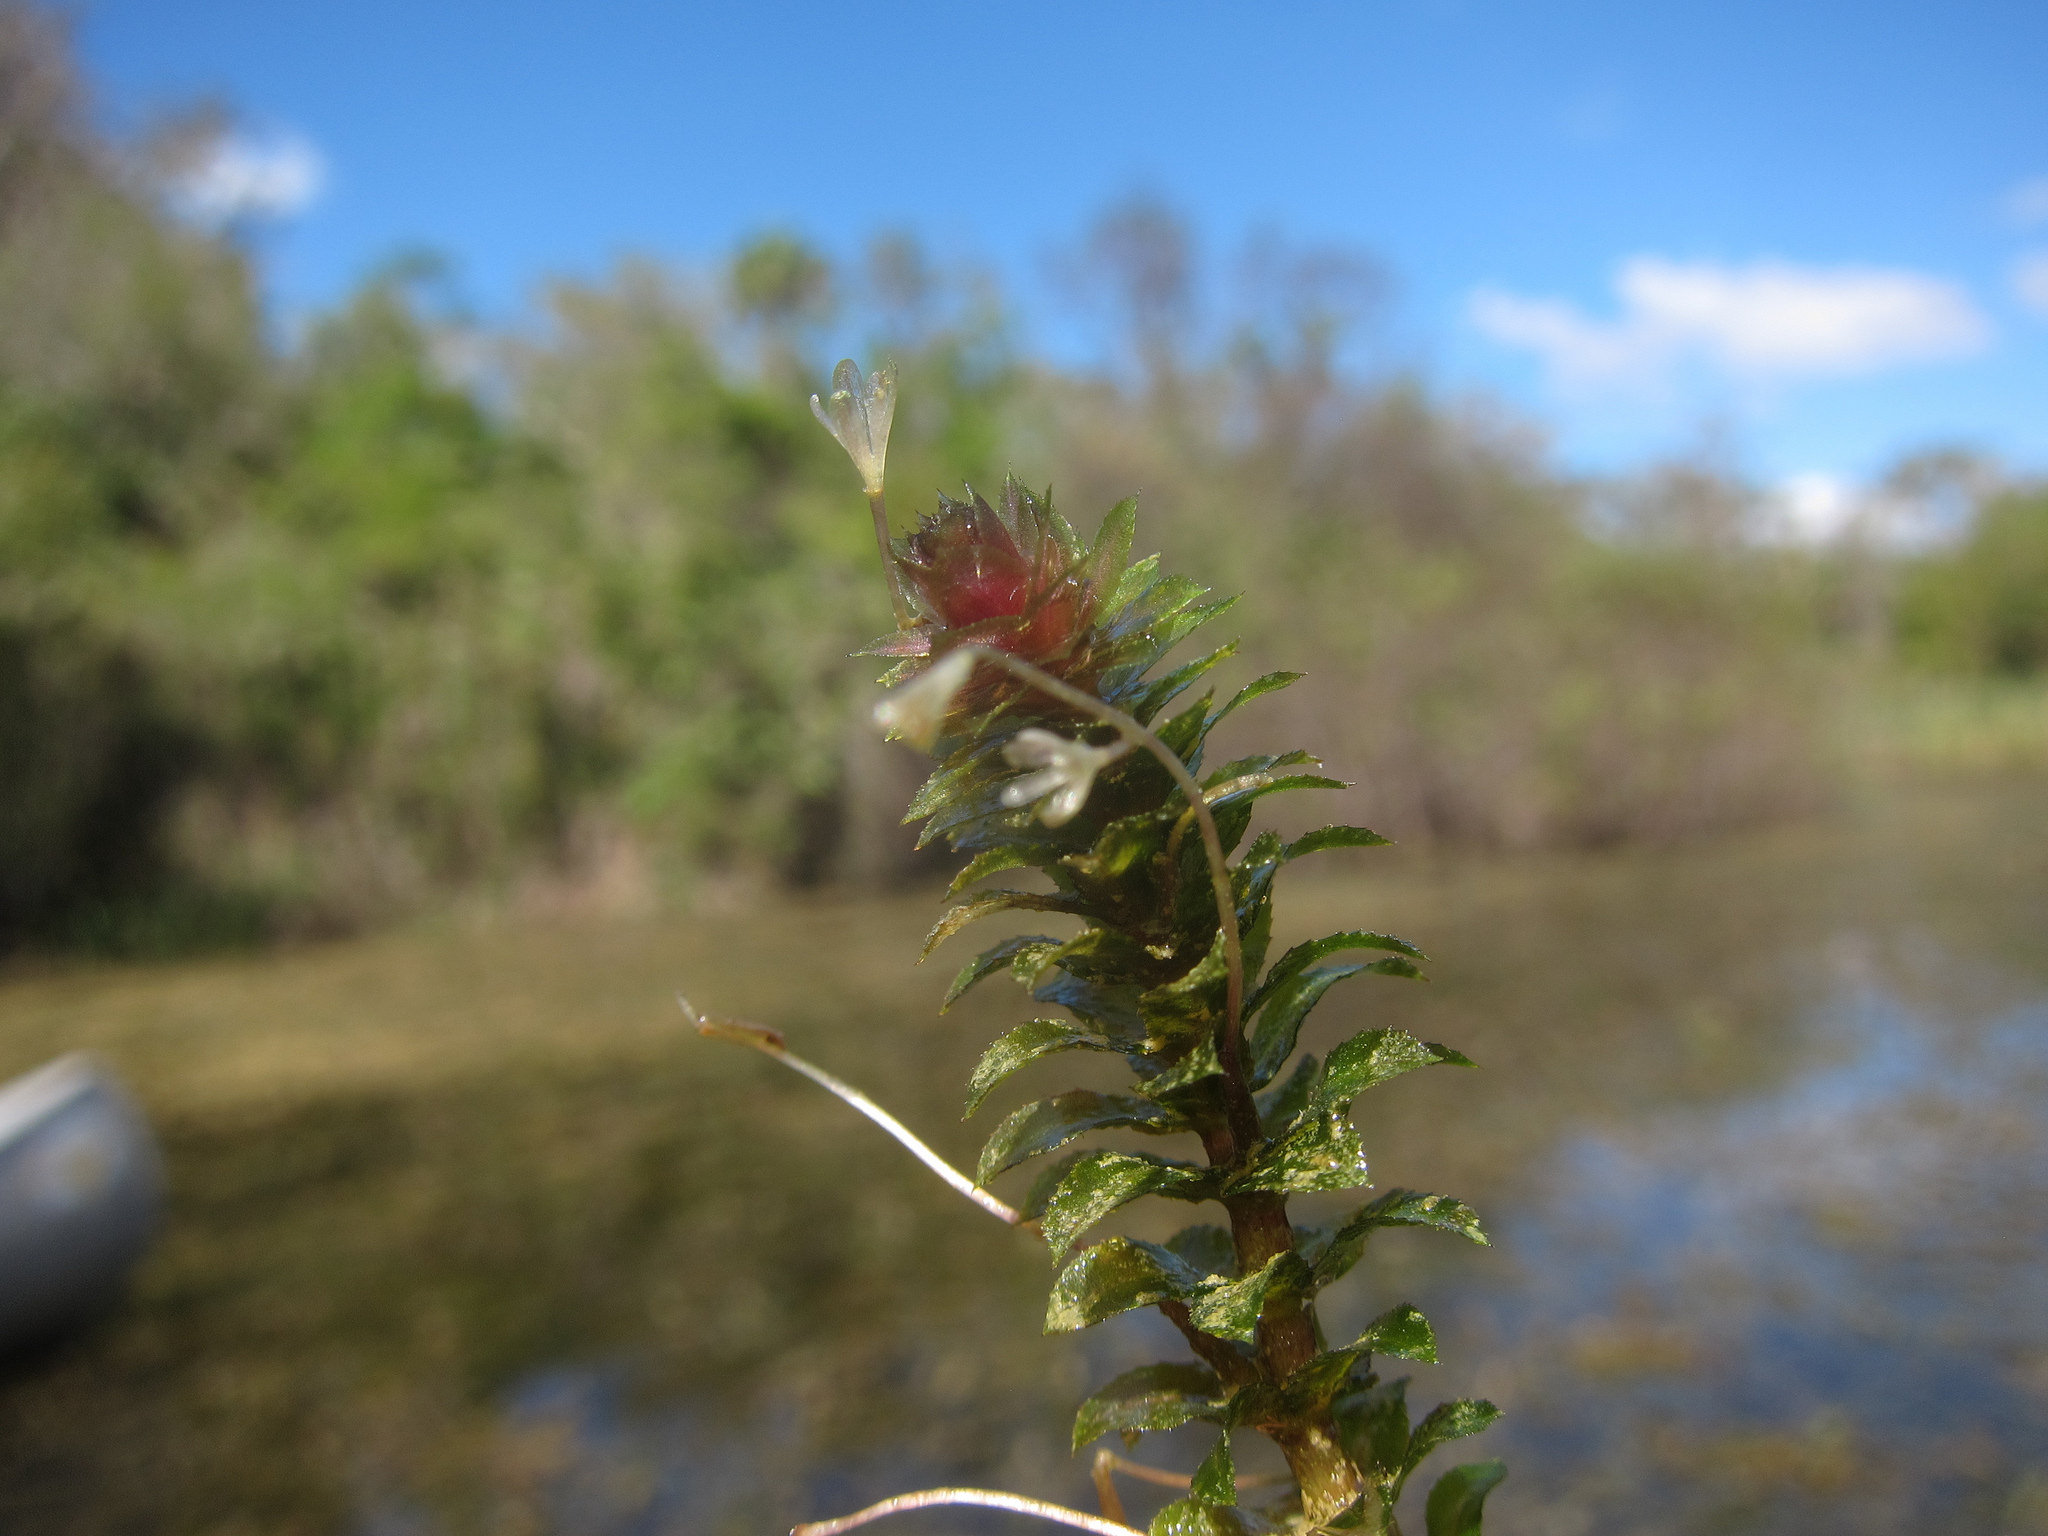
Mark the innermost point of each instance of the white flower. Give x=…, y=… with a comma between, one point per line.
x=1066, y=772
x=858, y=413
x=917, y=709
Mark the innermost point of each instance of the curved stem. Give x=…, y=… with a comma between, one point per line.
x=1181, y=824
x=1244, y=1116
x=1259, y=1224
x=769, y=1043
x=897, y=599
x=1107, y=1462
x=1107, y=1499
x=984, y=1498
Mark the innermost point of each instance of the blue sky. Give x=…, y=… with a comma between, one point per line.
x=1817, y=232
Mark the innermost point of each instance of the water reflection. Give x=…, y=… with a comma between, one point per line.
x=1814, y=1308
x=1771, y=1207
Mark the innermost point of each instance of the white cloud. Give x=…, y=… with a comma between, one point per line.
x=1577, y=349
x=1818, y=508
x=1812, y=508
x=1767, y=320
x=2027, y=203
x=2030, y=281
x=269, y=177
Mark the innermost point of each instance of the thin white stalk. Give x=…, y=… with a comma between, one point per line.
x=983, y=1498
x=899, y=600
x=1137, y=735
x=769, y=1043
x=1244, y=1122
x=1107, y=1461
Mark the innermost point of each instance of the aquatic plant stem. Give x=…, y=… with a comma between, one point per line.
x=769, y=1043
x=1243, y=1112
x=1260, y=1229
x=984, y=1498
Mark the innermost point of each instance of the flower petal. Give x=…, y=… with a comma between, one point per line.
x=1027, y=789
x=1034, y=747
x=917, y=710
x=859, y=413
x=1065, y=803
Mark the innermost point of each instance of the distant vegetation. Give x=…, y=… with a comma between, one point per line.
x=1981, y=608
x=296, y=635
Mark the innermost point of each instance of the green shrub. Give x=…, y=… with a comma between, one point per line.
x=1983, y=607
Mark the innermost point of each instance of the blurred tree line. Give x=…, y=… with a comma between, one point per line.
x=297, y=635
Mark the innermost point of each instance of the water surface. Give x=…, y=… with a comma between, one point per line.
x=469, y=1236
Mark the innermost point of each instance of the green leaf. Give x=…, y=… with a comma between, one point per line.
x=1369, y=1059
x=1261, y=785
x=994, y=861
x=1124, y=842
x=1163, y=692
x=1022, y=1045
x=1456, y=1502
x=974, y=816
x=1110, y=1011
x=1102, y=955
x=1048, y=1180
x=1258, y=687
x=1253, y=876
x=1447, y=1422
x=1334, y=837
x=1182, y=734
x=1099, y=1182
x=1286, y=1007
x=1313, y=1385
x=1198, y=1065
x=1183, y=1010
x=1152, y=1397
x=1111, y=551
x=1256, y=1402
x=1215, y=1480
x=987, y=904
x=989, y=961
x=1252, y=767
x=1114, y=1277
x=1320, y=1151
x=1136, y=577
x=939, y=790
x=1400, y=1331
x=1175, y=627
x=1280, y=1107
x=1208, y=1250
x=1302, y=956
x=1231, y=1310
x=1187, y=1008
x=1050, y=1123
x=1396, y=1208
x=1192, y=1517
x=1256, y=935
x=1374, y=1425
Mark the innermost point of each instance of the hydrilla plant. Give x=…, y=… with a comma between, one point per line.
x=1025, y=661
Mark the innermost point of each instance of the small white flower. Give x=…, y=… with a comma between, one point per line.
x=858, y=412
x=1066, y=772
x=916, y=710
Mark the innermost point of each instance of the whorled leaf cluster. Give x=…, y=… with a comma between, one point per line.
x=1146, y=978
